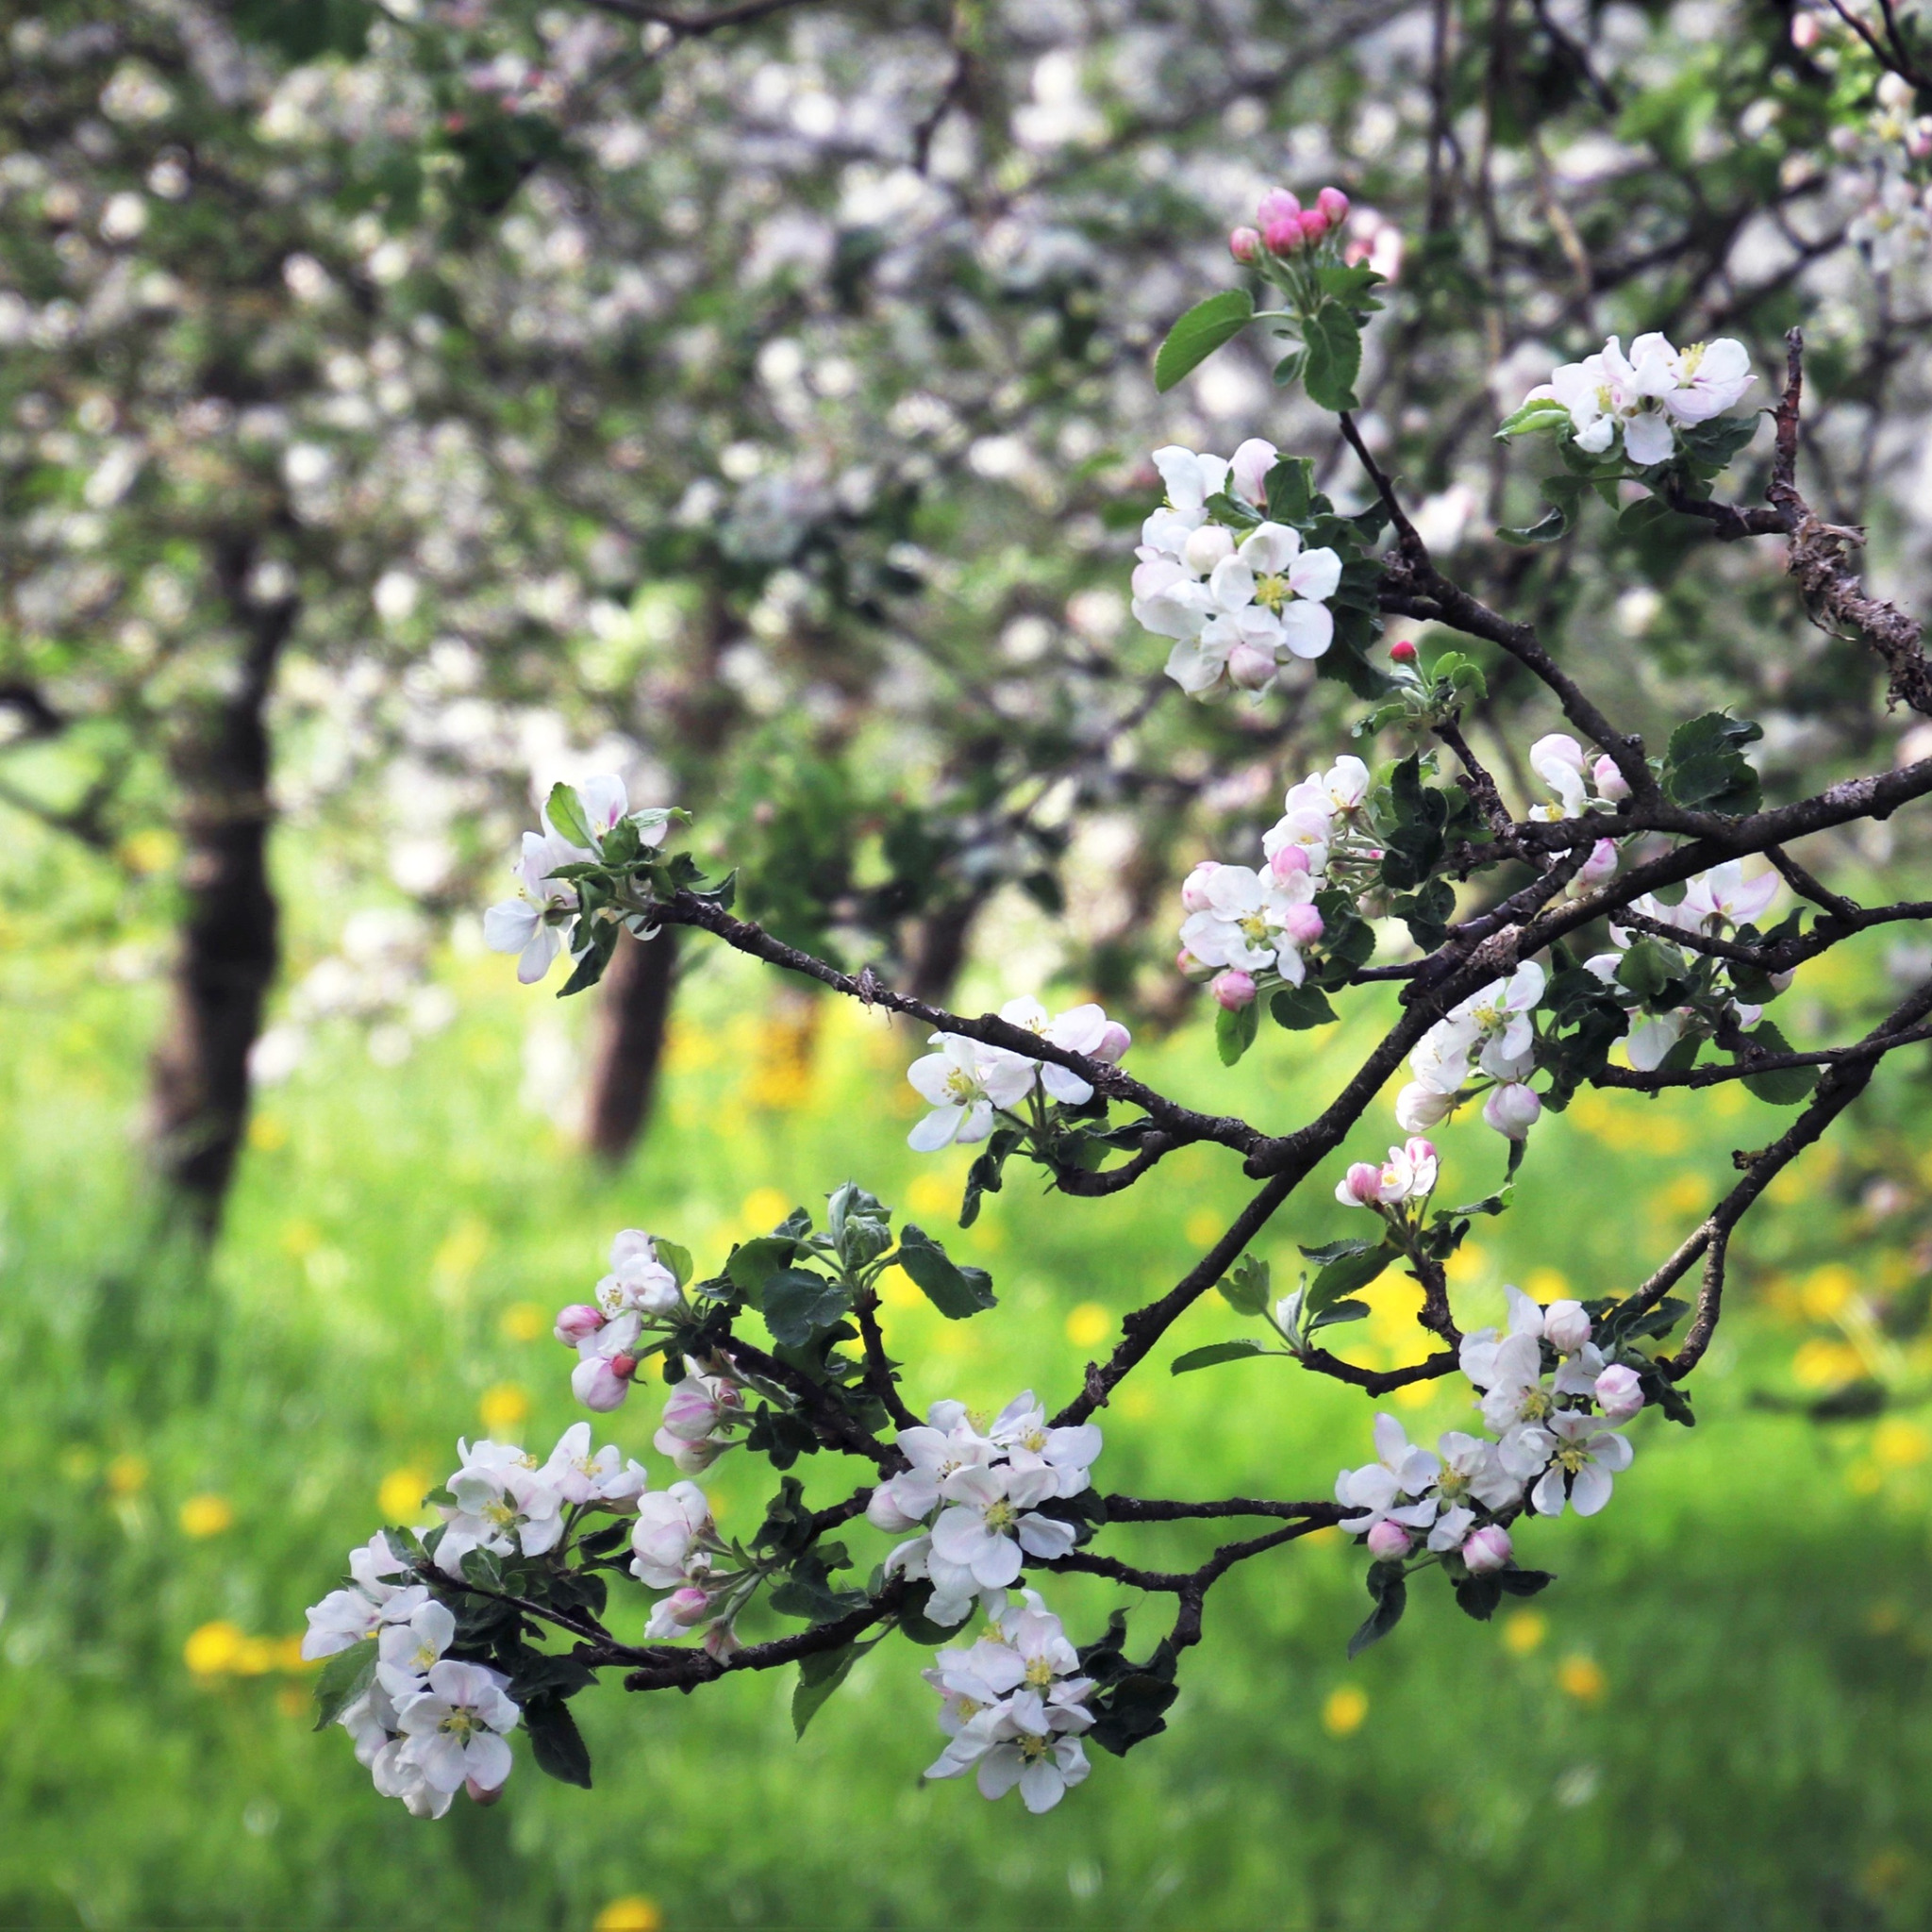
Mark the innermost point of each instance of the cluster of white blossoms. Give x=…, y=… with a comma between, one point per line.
x=531, y=925
x=1247, y=930
x=1489, y=1037
x=1408, y=1175
x=1013, y=1706
x=675, y=1547
x=639, y=1293
x=1895, y=224
x=1714, y=903
x=1239, y=600
x=427, y=1725
x=966, y=1084
x=1554, y=1447
x=1647, y=396
x=504, y=1501
x=975, y=1494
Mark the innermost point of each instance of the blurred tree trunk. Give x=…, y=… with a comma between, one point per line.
x=632, y=1017
x=938, y=948
x=229, y=937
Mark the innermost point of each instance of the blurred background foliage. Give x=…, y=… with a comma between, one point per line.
x=404, y=407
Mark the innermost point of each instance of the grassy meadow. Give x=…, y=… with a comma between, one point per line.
x=1719, y=1717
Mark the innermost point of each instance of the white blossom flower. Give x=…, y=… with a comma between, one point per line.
x=456, y=1730
x=1724, y=894
x=989, y=1521
x=1021, y=1430
x=346, y=1617
x=1379, y=1488
x=530, y=926
x=1084, y=1029
x=955, y=1589
x=1408, y=1174
x=1021, y=1742
x=397, y=1774
x=1250, y=921
x=964, y=1083
x=1585, y=1453
x=1559, y=760
x=503, y=1502
x=406, y=1652
x=901, y=1501
x=671, y=1524
x=637, y=1279
x=579, y=1475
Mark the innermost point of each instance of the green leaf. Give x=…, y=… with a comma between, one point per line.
x=1544, y=413
x=1646, y=969
x=752, y=1264
x=818, y=1675
x=797, y=1304
x=1290, y=490
x=1719, y=440
x=1289, y=369
x=1562, y=494
x=955, y=1292
x=555, y=1743
x=1298, y=1008
x=565, y=812
x=1335, y=1251
x=343, y=1679
x=1335, y=357
x=1245, y=1287
x=675, y=1257
x=1217, y=1352
x=1202, y=330
x=594, y=957
x=1787, y=1086
x=1234, y=1030
x=1350, y=285
x=1343, y=1275
x=1341, y=1311
x=1704, y=765
x=1390, y=1593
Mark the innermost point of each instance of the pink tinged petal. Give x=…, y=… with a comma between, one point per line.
x=1546, y=1499
x=999, y=1770
x=1647, y=440
x=1046, y=1537
x=1616, y=1452
x=533, y=962
x=1590, y=1490
x=1308, y=628
x=1315, y=574
x=488, y=1761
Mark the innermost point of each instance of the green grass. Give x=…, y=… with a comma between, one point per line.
x=1752, y=1611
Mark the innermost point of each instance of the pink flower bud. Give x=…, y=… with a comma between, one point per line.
x=1334, y=204
x=1250, y=667
x=1278, y=205
x=1403, y=651
x=1283, y=236
x=1610, y=783
x=577, y=1321
x=602, y=1385
x=1619, y=1393
x=483, y=1794
x=1512, y=1109
x=1601, y=864
x=1314, y=224
x=1803, y=31
x=690, y=1411
x=687, y=1606
x=1233, y=990
x=1194, y=887
x=1566, y=1328
x=1288, y=863
x=1919, y=142
x=1190, y=968
x=1244, y=244
x=1364, y=1183
x=721, y=1641
x=1302, y=925
x=1486, y=1549
x=1387, y=1541
x=1114, y=1043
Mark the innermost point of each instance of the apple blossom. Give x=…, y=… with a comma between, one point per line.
x=671, y=1524
x=456, y=1730
x=986, y=1522
x=1487, y=1548
x=1611, y=782
x=1233, y=989
x=1619, y=1393
x=1377, y=1488
x=1245, y=926
x=1388, y=1540
x=406, y=1652
x=581, y=1475
x=965, y=1084
x=1512, y=1109
x=1244, y=244
x=531, y=925
x=1588, y=1456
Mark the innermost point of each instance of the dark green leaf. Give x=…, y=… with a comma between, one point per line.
x=1390, y=1593
x=1339, y=1250
x=1290, y=490
x=752, y=1263
x=1789, y=1085
x=343, y=1679
x=1245, y=1287
x=1525, y=1582
x=1343, y=1276
x=1340, y=1312
x=1202, y=330
x=1214, y=1353
x=555, y=1743
x=1477, y=1596
x=1334, y=344
x=955, y=1292
x=799, y=1304
x=1298, y=1008
x=675, y=1257
x=818, y=1675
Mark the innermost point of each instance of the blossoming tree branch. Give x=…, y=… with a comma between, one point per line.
x=1649, y=904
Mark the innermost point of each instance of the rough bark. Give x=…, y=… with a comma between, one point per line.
x=228, y=945
x=632, y=1018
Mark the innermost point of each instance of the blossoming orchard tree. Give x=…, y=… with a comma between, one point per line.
x=1625, y=934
